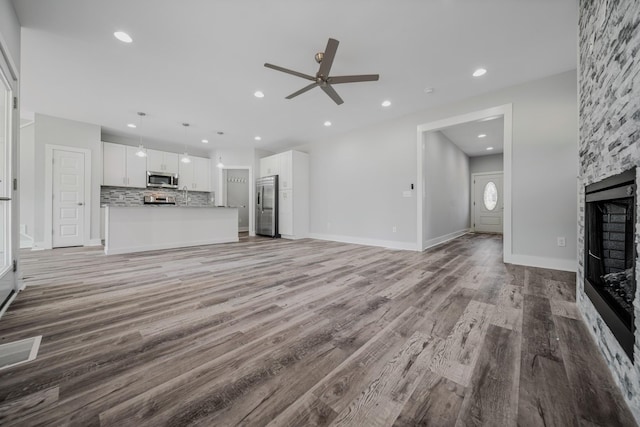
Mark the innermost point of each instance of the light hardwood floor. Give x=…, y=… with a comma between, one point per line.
x=298, y=333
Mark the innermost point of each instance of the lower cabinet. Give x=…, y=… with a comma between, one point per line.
x=285, y=212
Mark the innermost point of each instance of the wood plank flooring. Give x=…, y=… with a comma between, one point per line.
x=303, y=333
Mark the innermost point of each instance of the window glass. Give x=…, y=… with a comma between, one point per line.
x=490, y=196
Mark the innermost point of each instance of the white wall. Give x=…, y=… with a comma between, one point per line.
x=27, y=178
x=447, y=192
x=491, y=163
x=10, y=32
x=357, y=179
x=57, y=131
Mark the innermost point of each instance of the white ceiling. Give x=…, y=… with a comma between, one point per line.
x=465, y=136
x=200, y=61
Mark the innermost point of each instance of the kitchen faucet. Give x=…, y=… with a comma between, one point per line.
x=186, y=195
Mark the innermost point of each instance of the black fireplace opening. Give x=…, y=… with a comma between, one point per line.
x=610, y=255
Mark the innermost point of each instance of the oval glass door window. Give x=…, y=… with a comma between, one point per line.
x=490, y=196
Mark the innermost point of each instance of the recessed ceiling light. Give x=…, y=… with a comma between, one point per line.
x=428, y=90
x=327, y=123
x=131, y=125
x=479, y=72
x=123, y=37
x=257, y=138
x=205, y=141
x=386, y=103
x=258, y=94
x=489, y=148
x=482, y=135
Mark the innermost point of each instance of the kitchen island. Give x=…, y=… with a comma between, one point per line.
x=147, y=228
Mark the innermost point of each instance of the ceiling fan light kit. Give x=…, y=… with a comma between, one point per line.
x=322, y=77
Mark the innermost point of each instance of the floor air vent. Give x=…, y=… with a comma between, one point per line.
x=17, y=352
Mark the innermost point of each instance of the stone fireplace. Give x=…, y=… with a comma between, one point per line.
x=609, y=150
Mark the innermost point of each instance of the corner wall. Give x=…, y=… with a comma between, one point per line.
x=447, y=190
x=57, y=131
x=609, y=80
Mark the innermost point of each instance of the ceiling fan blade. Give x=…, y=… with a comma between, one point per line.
x=353, y=79
x=303, y=90
x=327, y=58
x=332, y=94
x=286, y=70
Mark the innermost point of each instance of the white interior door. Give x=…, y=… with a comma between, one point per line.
x=488, y=203
x=7, y=135
x=68, y=198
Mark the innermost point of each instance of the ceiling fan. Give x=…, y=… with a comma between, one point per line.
x=322, y=78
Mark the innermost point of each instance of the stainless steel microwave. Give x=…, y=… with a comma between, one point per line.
x=162, y=179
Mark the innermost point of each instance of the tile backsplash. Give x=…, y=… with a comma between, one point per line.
x=121, y=196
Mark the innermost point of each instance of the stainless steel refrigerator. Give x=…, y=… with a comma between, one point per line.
x=267, y=206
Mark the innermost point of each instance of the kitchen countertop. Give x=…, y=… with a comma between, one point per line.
x=167, y=206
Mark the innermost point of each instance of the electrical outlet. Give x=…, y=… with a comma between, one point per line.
x=394, y=229
x=328, y=226
x=562, y=242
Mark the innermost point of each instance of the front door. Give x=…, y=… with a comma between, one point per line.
x=68, y=198
x=488, y=203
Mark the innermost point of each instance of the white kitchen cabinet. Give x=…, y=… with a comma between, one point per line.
x=270, y=166
x=136, y=169
x=122, y=167
x=285, y=170
x=195, y=175
x=285, y=212
x=162, y=161
x=292, y=168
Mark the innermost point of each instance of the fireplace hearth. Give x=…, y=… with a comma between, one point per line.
x=610, y=255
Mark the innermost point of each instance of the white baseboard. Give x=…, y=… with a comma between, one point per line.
x=543, y=262
x=442, y=239
x=39, y=246
x=389, y=244
x=290, y=237
x=94, y=242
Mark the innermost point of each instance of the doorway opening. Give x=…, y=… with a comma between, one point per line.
x=446, y=164
x=235, y=190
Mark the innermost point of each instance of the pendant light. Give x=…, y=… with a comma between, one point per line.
x=185, y=158
x=220, y=164
x=141, y=151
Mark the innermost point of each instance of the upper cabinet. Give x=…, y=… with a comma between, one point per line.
x=122, y=167
x=162, y=161
x=269, y=166
x=195, y=175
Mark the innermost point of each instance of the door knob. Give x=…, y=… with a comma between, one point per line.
x=80, y=203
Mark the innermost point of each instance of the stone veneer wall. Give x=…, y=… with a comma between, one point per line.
x=121, y=196
x=609, y=143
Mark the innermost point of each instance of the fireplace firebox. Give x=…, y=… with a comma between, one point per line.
x=610, y=255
